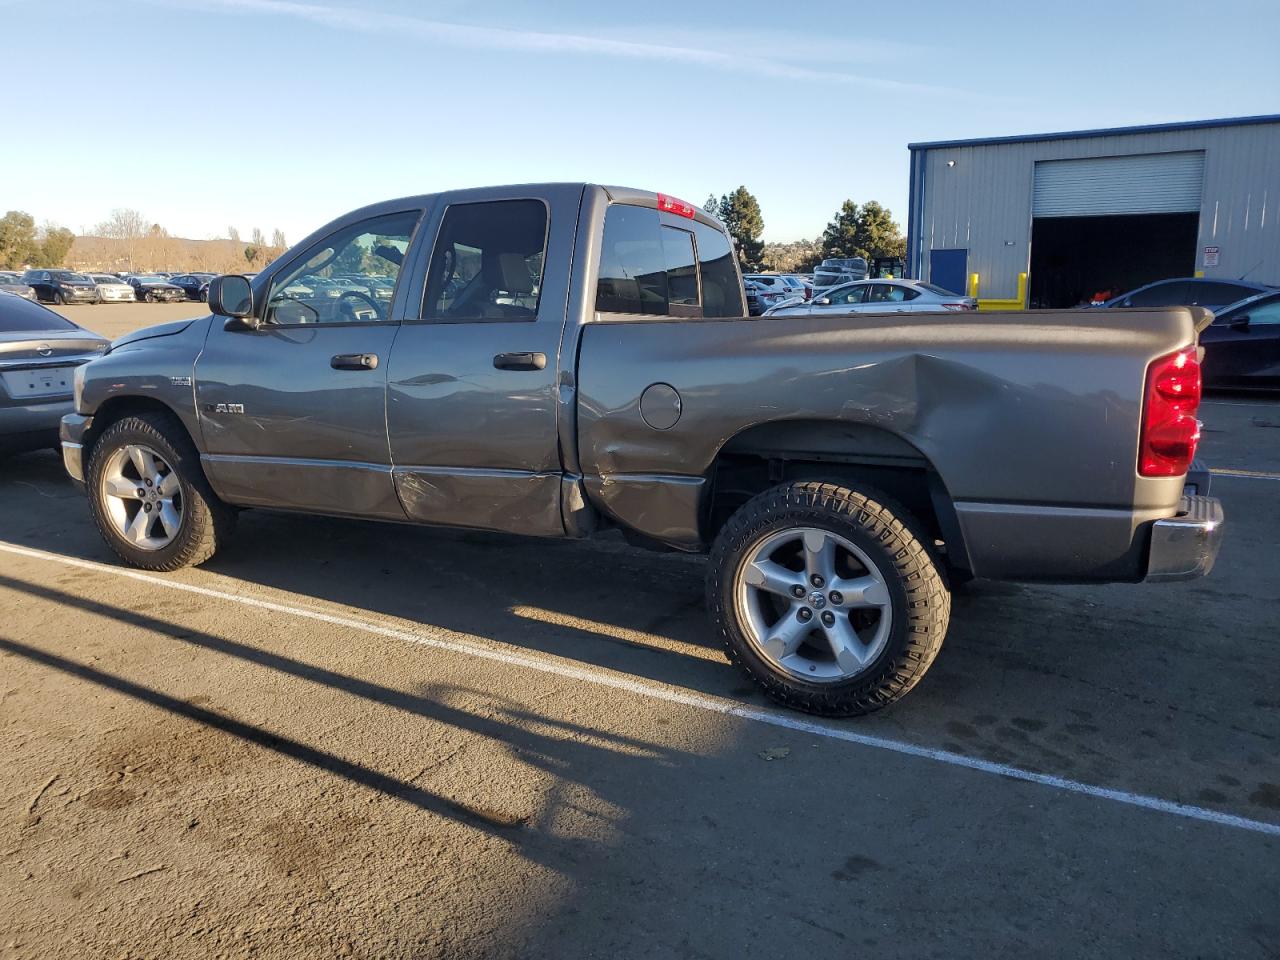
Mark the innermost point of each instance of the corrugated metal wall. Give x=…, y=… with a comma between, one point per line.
x=983, y=201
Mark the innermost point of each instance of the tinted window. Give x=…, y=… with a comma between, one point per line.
x=487, y=262
x=647, y=267
x=1265, y=312
x=721, y=292
x=371, y=248
x=934, y=288
x=633, y=267
x=18, y=315
x=1160, y=295
x=1216, y=294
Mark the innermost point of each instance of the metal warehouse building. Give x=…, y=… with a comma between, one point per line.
x=1048, y=220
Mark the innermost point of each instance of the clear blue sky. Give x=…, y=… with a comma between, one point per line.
x=283, y=113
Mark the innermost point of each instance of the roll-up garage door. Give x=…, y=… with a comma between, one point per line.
x=1098, y=186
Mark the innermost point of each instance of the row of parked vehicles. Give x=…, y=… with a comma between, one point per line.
x=69, y=286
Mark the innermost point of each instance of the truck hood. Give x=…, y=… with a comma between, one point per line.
x=149, y=333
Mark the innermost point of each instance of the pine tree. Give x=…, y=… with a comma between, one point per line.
x=740, y=213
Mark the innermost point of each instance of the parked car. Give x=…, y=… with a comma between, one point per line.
x=878, y=296
x=192, y=283
x=835, y=271
x=12, y=283
x=1242, y=347
x=39, y=351
x=790, y=287
x=111, y=289
x=761, y=298
x=1188, y=292
x=839, y=480
x=61, y=286
x=152, y=287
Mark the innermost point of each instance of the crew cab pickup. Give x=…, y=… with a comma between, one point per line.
x=557, y=360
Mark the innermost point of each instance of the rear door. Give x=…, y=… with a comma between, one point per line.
x=472, y=408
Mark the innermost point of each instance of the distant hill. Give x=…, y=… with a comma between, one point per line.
x=165, y=253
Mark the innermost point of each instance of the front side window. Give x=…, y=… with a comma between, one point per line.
x=1264, y=314
x=487, y=262
x=369, y=253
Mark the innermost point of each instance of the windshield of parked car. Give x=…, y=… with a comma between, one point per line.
x=69, y=276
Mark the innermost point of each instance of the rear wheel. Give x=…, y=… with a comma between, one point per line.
x=827, y=597
x=149, y=496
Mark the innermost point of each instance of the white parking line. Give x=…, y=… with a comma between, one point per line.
x=654, y=691
x=1244, y=474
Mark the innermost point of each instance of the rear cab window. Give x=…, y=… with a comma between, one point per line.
x=658, y=264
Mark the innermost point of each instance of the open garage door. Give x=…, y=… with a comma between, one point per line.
x=1112, y=223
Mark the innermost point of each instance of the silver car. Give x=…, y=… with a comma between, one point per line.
x=877, y=296
x=11, y=282
x=111, y=289
x=39, y=352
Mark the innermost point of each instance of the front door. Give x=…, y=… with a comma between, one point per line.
x=293, y=414
x=472, y=403
x=1245, y=354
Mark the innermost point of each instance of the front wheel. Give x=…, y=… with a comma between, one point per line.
x=58, y=298
x=827, y=597
x=149, y=496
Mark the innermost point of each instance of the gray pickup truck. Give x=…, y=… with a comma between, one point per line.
x=558, y=360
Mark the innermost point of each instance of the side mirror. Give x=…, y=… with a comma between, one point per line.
x=1240, y=323
x=823, y=301
x=231, y=296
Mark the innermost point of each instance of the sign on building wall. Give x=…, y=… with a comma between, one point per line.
x=1210, y=257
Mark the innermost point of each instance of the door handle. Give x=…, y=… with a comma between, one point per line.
x=354, y=361
x=520, y=361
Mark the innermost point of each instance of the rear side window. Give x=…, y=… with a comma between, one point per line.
x=659, y=269
x=1217, y=294
x=1160, y=295
x=487, y=262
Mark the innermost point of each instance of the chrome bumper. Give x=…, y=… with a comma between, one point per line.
x=71, y=433
x=1186, y=545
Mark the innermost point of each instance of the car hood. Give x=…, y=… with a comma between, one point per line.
x=150, y=333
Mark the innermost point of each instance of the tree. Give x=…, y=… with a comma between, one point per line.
x=251, y=253
x=277, y=239
x=17, y=239
x=55, y=244
x=712, y=206
x=798, y=256
x=233, y=235
x=867, y=231
x=740, y=213
x=127, y=226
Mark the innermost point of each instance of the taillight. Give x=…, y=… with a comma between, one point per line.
x=671, y=205
x=1170, y=430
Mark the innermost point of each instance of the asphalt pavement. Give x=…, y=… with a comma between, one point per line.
x=357, y=739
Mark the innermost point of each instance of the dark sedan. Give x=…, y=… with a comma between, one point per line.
x=195, y=285
x=11, y=282
x=1188, y=292
x=152, y=288
x=1242, y=346
x=61, y=286
x=39, y=352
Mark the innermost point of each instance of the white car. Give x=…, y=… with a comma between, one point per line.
x=877, y=296
x=112, y=289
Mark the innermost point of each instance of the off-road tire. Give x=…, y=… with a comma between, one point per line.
x=891, y=538
x=207, y=522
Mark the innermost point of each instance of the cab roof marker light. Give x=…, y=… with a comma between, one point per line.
x=672, y=205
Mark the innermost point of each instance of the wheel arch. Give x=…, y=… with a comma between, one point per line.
x=855, y=454
x=114, y=409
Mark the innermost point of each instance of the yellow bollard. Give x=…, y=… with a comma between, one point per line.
x=973, y=285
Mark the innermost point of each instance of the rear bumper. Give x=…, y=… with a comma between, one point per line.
x=1186, y=545
x=72, y=432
